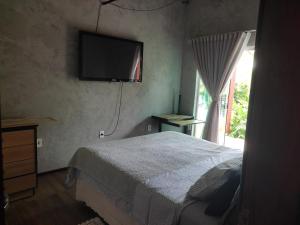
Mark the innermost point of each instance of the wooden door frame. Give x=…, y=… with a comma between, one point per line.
x=2, y=201
x=270, y=190
x=230, y=100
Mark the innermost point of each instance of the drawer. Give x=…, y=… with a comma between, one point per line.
x=21, y=195
x=20, y=183
x=15, y=138
x=18, y=153
x=18, y=168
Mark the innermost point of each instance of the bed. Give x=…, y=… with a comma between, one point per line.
x=145, y=180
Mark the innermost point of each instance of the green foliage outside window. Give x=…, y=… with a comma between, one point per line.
x=205, y=98
x=239, y=108
x=239, y=111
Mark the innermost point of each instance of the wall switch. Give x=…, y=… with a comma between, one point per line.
x=149, y=127
x=101, y=134
x=39, y=142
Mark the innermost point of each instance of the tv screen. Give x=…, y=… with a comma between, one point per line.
x=106, y=58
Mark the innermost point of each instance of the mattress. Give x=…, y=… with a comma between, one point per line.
x=148, y=177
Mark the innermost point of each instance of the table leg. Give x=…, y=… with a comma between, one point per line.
x=185, y=129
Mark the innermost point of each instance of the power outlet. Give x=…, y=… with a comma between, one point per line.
x=39, y=142
x=149, y=127
x=101, y=134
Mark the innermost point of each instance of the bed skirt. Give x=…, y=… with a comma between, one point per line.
x=104, y=207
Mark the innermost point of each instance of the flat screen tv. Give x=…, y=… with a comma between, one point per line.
x=106, y=58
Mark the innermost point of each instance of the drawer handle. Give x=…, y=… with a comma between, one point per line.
x=6, y=201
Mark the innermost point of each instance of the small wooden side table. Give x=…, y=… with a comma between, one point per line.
x=177, y=121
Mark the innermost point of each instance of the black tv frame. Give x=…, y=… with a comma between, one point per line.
x=81, y=33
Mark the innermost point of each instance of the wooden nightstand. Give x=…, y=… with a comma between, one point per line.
x=19, y=158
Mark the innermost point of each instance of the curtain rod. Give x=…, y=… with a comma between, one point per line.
x=205, y=35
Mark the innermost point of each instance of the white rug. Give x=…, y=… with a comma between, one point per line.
x=94, y=221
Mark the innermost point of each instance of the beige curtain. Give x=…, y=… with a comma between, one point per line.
x=215, y=57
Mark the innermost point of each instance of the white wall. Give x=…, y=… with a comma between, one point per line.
x=38, y=72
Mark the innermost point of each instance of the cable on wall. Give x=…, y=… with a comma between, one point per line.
x=98, y=16
x=111, y=2
x=119, y=111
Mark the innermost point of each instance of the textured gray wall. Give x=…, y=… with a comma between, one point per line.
x=38, y=72
x=210, y=17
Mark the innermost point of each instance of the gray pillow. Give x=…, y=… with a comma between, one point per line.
x=212, y=180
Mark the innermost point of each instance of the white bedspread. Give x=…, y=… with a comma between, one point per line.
x=149, y=176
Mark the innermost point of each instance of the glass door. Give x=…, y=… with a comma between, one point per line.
x=234, y=102
x=238, y=101
x=202, y=103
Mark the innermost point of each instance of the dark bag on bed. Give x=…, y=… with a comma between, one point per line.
x=221, y=199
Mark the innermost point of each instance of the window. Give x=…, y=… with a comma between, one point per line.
x=233, y=104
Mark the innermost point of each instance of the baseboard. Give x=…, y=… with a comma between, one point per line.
x=52, y=171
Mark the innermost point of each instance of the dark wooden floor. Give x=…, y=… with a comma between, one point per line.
x=51, y=205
